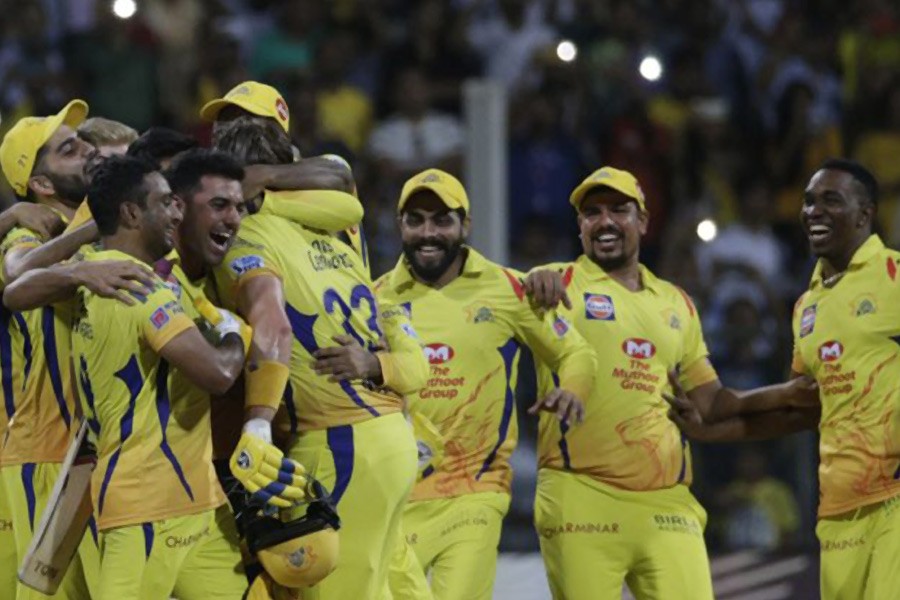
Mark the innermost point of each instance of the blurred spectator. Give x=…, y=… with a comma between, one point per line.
x=306, y=126
x=533, y=244
x=416, y=137
x=762, y=510
x=291, y=44
x=345, y=112
x=108, y=137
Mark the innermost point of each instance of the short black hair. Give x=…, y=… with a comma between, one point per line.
x=118, y=179
x=255, y=141
x=861, y=174
x=159, y=143
x=185, y=172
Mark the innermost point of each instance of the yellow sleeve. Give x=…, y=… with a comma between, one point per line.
x=404, y=367
x=695, y=368
x=245, y=260
x=328, y=210
x=81, y=216
x=18, y=239
x=162, y=318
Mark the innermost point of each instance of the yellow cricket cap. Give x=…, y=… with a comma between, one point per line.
x=254, y=97
x=21, y=144
x=447, y=187
x=617, y=179
x=303, y=561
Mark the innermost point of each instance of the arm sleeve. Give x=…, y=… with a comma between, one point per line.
x=557, y=344
x=18, y=239
x=161, y=318
x=797, y=364
x=249, y=257
x=404, y=367
x=327, y=210
x=695, y=368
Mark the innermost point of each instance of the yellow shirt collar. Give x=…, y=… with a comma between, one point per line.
x=869, y=249
x=648, y=279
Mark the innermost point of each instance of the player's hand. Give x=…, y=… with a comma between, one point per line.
x=115, y=279
x=546, y=289
x=682, y=411
x=566, y=405
x=224, y=321
x=803, y=392
x=38, y=218
x=347, y=360
x=266, y=474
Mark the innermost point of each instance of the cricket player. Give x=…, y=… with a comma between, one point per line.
x=845, y=337
x=164, y=523
x=473, y=316
x=45, y=162
x=318, y=331
x=613, y=503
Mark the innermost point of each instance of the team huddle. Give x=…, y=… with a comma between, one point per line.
x=206, y=395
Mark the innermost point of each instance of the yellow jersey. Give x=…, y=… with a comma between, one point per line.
x=152, y=425
x=327, y=292
x=35, y=376
x=627, y=439
x=848, y=338
x=473, y=329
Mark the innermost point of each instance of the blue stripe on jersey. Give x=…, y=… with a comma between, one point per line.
x=563, y=429
x=683, y=471
x=131, y=376
x=164, y=409
x=897, y=473
x=48, y=332
x=148, y=538
x=92, y=525
x=88, y=394
x=302, y=326
x=363, y=246
x=6, y=362
x=508, y=351
x=291, y=407
x=340, y=442
x=28, y=486
x=26, y=345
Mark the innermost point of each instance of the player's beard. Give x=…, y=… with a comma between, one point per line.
x=71, y=189
x=435, y=271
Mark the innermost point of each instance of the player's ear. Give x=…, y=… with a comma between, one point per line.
x=643, y=221
x=466, y=226
x=130, y=215
x=41, y=185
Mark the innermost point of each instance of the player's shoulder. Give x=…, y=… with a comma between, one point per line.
x=889, y=260
x=20, y=236
x=497, y=280
x=672, y=293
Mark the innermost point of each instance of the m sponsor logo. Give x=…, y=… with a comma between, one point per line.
x=639, y=348
x=438, y=353
x=599, y=307
x=831, y=351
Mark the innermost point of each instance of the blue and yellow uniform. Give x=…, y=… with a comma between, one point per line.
x=613, y=502
x=473, y=329
x=349, y=435
x=845, y=336
x=39, y=407
x=164, y=524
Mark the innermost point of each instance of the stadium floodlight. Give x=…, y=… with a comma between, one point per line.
x=707, y=230
x=651, y=68
x=124, y=9
x=566, y=51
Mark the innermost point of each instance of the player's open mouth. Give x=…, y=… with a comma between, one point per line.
x=429, y=251
x=819, y=233
x=607, y=241
x=220, y=241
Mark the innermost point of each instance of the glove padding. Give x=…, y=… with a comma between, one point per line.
x=267, y=475
x=224, y=321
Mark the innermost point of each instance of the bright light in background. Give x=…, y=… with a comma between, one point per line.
x=651, y=69
x=566, y=51
x=707, y=230
x=124, y=9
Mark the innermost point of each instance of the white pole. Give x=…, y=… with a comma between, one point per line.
x=486, y=167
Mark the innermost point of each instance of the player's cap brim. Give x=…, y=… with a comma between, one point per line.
x=578, y=194
x=439, y=190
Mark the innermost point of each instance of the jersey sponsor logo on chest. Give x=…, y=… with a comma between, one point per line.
x=639, y=348
x=831, y=351
x=599, y=307
x=438, y=353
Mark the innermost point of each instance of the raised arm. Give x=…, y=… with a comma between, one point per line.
x=23, y=259
x=220, y=365
x=717, y=403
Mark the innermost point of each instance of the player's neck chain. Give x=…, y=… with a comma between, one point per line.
x=831, y=281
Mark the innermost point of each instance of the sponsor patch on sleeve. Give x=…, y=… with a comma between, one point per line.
x=560, y=327
x=159, y=317
x=408, y=330
x=243, y=264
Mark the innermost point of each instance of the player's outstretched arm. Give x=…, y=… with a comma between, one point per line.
x=106, y=278
x=38, y=218
x=218, y=367
x=717, y=403
x=328, y=210
x=19, y=261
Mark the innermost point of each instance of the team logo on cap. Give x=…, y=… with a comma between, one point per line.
x=599, y=307
x=431, y=178
x=808, y=320
x=830, y=351
x=241, y=91
x=281, y=109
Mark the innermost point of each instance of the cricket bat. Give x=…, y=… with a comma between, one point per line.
x=64, y=521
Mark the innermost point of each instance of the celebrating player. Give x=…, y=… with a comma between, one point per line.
x=845, y=336
x=304, y=291
x=473, y=316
